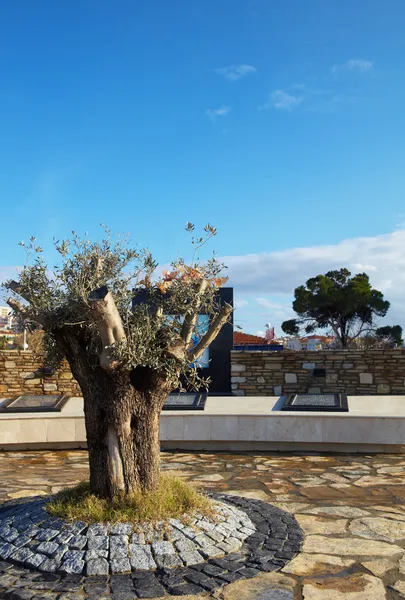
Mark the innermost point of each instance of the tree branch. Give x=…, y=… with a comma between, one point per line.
x=191, y=316
x=26, y=312
x=361, y=330
x=107, y=317
x=215, y=327
x=16, y=287
x=177, y=350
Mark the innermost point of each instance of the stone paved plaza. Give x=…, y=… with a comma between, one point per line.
x=350, y=507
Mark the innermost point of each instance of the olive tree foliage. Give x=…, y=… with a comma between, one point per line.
x=122, y=335
x=339, y=302
x=127, y=356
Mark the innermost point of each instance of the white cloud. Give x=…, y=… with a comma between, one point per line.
x=240, y=303
x=268, y=303
x=281, y=100
x=360, y=65
x=213, y=113
x=279, y=273
x=235, y=72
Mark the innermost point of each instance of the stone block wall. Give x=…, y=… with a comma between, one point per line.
x=20, y=373
x=354, y=372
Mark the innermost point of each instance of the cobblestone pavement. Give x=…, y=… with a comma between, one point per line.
x=350, y=507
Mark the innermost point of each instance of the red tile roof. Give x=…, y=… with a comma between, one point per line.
x=246, y=339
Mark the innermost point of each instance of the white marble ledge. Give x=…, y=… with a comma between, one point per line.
x=359, y=406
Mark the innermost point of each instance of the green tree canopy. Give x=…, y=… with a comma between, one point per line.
x=347, y=305
x=390, y=334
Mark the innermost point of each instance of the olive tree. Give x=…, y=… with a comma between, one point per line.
x=127, y=356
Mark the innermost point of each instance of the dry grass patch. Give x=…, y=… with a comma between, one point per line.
x=172, y=499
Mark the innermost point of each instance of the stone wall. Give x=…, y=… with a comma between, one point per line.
x=253, y=373
x=359, y=372
x=20, y=373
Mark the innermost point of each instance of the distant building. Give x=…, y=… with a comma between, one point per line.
x=294, y=344
x=5, y=311
x=6, y=319
x=311, y=342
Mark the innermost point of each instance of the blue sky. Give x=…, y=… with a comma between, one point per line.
x=281, y=122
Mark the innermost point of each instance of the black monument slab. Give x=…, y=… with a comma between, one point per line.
x=316, y=402
x=24, y=404
x=185, y=401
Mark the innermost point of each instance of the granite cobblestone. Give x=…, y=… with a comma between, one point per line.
x=178, y=567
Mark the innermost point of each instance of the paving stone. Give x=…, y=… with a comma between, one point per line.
x=35, y=559
x=21, y=555
x=203, y=541
x=78, y=527
x=339, y=511
x=184, y=545
x=7, y=580
x=218, y=537
x=356, y=587
x=21, y=541
x=6, y=549
x=138, y=538
x=10, y=534
x=315, y=564
x=50, y=565
x=399, y=587
x=48, y=548
x=99, y=542
x=163, y=548
x=73, y=555
x=31, y=531
x=46, y=535
x=97, y=529
x=211, y=552
x=377, y=528
x=266, y=586
x=21, y=594
x=318, y=525
x=191, y=557
x=72, y=564
x=63, y=537
x=120, y=565
x=141, y=557
x=97, y=566
x=60, y=553
x=95, y=553
x=154, y=590
x=168, y=560
x=119, y=546
x=381, y=566
x=77, y=542
x=121, y=529
x=350, y=546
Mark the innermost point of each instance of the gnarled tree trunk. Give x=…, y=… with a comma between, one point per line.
x=122, y=417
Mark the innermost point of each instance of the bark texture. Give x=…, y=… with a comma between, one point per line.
x=122, y=416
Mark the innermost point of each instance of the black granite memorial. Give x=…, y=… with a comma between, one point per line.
x=24, y=404
x=184, y=401
x=316, y=402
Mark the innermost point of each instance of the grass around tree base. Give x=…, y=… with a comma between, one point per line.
x=172, y=499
